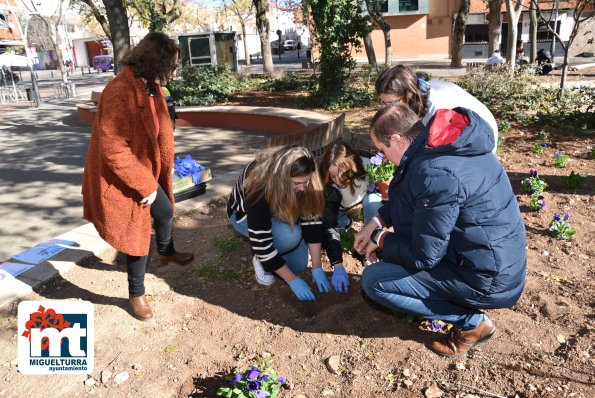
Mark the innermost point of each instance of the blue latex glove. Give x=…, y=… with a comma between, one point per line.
x=340, y=279
x=301, y=289
x=321, y=281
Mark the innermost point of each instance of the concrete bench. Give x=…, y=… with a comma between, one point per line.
x=281, y=126
x=475, y=65
x=310, y=65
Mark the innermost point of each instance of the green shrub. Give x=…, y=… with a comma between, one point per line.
x=341, y=98
x=519, y=97
x=293, y=81
x=207, y=85
x=505, y=95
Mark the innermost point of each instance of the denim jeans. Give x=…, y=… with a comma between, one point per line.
x=396, y=287
x=287, y=240
x=372, y=202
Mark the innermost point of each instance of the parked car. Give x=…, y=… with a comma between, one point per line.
x=289, y=45
x=103, y=62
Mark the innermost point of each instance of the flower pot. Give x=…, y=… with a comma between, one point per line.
x=383, y=188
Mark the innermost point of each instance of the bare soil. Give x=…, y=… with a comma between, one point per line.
x=212, y=317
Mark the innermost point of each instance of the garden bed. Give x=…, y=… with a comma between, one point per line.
x=211, y=316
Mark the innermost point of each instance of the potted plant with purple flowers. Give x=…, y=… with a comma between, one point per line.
x=253, y=383
x=380, y=171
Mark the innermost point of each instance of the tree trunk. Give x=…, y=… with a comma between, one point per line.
x=247, y=56
x=494, y=25
x=58, y=49
x=388, y=59
x=459, y=34
x=117, y=17
x=564, y=74
x=533, y=32
x=263, y=26
x=514, y=13
x=370, y=50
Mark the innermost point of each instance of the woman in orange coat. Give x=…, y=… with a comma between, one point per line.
x=128, y=169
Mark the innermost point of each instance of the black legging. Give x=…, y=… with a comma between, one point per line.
x=162, y=213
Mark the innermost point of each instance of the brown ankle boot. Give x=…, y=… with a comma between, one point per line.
x=458, y=342
x=177, y=257
x=140, y=308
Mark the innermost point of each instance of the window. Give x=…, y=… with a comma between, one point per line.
x=3, y=20
x=379, y=6
x=476, y=33
x=543, y=33
x=408, y=5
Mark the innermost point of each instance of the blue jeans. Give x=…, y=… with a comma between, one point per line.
x=396, y=287
x=287, y=240
x=372, y=202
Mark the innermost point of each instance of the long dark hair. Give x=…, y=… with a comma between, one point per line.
x=348, y=163
x=402, y=81
x=153, y=57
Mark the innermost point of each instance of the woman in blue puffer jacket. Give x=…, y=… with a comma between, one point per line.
x=458, y=245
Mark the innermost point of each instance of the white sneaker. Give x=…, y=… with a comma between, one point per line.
x=262, y=277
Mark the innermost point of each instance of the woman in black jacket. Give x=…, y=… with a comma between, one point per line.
x=345, y=183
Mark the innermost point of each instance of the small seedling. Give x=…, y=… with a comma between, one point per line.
x=574, y=180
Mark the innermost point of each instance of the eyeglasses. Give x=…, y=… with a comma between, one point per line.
x=301, y=184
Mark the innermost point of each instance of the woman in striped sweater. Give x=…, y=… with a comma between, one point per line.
x=278, y=204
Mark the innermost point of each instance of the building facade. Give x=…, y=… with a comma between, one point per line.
x=423, y=29
x=11, y=37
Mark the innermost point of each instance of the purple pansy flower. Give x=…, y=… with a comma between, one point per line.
x=566, y=217
x=281, y=380
x=253, y=375
x=253, y=385
x=264, y=377
x=261, y=394
x=435, y=326
x=544, y=144
x=377, y=159
x=236, y=378
x=557, y=217
x=533, y=173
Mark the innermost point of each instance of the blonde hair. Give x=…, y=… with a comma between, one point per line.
x=271, y=178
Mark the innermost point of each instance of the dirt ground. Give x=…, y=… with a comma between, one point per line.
x=212, y=317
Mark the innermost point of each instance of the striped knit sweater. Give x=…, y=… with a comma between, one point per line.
x=259, y=218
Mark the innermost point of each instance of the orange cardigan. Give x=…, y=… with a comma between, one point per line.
x=125, y=162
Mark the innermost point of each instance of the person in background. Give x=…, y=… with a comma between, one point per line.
x=345, y=181
x=458, y=244
x=278, y=203
x=496, y=58
x=401, y=84
x=128, y=168
x=545, y=62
